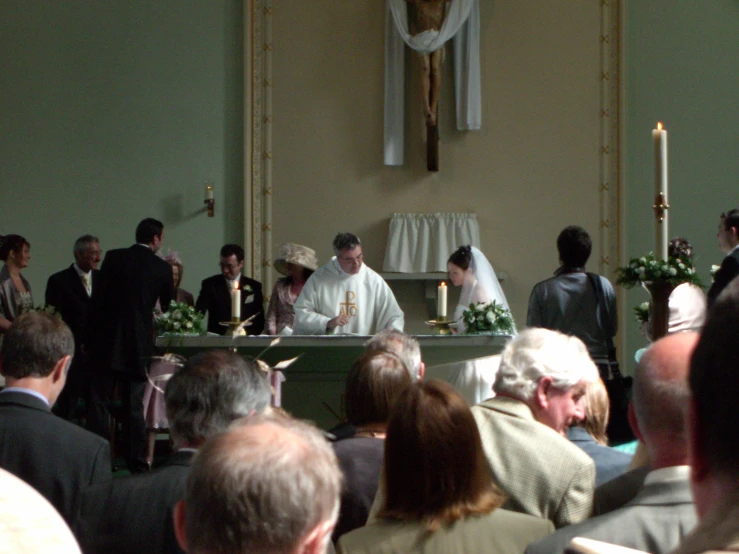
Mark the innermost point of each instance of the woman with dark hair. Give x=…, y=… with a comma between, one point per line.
x=296, y=262
x=375, y=381
x=470, y=269
x=15, y=291
x=439, y=496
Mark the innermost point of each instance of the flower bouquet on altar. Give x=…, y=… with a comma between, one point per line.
x=488, y=319
x=180, y=320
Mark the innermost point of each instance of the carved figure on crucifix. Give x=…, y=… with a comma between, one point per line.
x=429, y=16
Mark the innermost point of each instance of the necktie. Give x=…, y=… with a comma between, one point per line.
x=87, y=281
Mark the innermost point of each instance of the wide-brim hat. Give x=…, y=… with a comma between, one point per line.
x=296, y=254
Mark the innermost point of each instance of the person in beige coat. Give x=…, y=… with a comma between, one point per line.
x=439, y=497
x=539, y=391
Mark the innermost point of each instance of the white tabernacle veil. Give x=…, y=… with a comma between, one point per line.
x=480, y=285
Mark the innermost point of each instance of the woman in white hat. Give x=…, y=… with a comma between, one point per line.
x=297, y=263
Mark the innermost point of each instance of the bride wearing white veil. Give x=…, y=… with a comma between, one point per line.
x=469, y=268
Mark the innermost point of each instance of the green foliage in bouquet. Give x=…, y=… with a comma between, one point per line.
x=646, y=269
x=180, y=319
x=491, y=318
x=641, y=312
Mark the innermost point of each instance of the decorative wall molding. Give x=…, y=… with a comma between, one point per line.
x=611, y=114
x=258, y=138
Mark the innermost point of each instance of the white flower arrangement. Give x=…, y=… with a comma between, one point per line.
x=180, y=319
x=492, y=318
x=648, y=269
x=641, y=312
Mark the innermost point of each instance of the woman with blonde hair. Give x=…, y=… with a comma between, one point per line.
x=438, y=493
x=590, y=435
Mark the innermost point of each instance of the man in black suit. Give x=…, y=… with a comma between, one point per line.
x=728, y=241
x=69, y=291
x=134, y=514
x=215, y=294
x=57, y=458
x=134, y=279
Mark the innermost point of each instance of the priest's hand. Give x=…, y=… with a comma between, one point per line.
x=338, y=321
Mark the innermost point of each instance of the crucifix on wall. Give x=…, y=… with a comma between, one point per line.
x=425, y=29
x=429, y=16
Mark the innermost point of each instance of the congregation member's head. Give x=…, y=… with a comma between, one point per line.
x=658, y=410
x=681, y=249
x=374, y=382
x=15, y=251
x=232, y=261
x=404, y=346
x=549, y=372
x=435, y=469
x=150, y=232
x=713, y=415
x=574, y=246
x=597, y=408
x=213, y=389
x=36, y=353
x=87, y=252
x=348, y=251
x=267, y=485
x=728, y=230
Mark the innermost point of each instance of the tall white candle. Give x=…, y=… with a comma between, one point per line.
x=441, y=301
x=236, y=302
x=208, y=191
x=659, y=137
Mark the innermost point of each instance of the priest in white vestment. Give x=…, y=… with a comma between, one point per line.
x=346, y=297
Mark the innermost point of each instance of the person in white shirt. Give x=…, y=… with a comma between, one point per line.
x=346, y=297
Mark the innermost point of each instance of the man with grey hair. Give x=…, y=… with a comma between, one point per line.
x=404, y=346
x=267, y=485
x=345, y=296
x=662, y=511
x=69, y=291
x=539, y=392
x=203, y=398
x=55, y=457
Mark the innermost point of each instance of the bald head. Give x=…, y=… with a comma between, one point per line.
x=661, y=397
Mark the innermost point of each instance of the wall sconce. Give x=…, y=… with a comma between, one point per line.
x=209, y=201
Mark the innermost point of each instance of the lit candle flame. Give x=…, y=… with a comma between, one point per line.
x=236, y=285
x=659, y=126
x=443, y=284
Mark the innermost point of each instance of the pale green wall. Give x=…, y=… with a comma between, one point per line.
x=682, y=63
x=111, y=111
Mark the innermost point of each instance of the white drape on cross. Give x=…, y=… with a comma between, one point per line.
x=462, y=23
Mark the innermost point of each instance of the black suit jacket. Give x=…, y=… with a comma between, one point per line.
x=134, y=514
x=725, y=274
x=65, y=291
x=215, y=299
x=57, y=458
x=123, y=323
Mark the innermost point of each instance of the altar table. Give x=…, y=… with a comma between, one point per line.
x=315, y=383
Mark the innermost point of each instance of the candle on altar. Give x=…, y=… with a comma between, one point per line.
x=441, y=301
x=659, y=137
x=236, y=302
x=208, y=191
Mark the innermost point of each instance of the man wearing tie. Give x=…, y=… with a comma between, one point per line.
x=69, y=291
x=215, y=294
